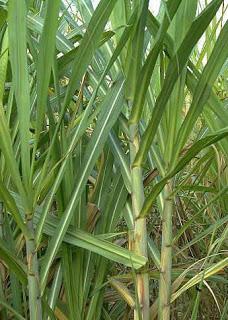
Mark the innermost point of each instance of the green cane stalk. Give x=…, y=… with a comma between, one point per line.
x=140, y=228
x=166, y=257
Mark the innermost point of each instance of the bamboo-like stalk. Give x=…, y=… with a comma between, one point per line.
x=166, y=257
x=35, y=308
x=140, y=229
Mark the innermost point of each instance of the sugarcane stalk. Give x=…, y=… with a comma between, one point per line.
x=140, y=229
x=35, y=309
x=166, y=257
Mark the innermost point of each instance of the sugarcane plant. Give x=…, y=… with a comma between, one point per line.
x=113, y=159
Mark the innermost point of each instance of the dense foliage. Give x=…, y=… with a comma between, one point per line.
x=113, y=160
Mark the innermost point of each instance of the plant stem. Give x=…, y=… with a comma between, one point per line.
x=140, y=229
x=35, y=308
x=166, y=257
